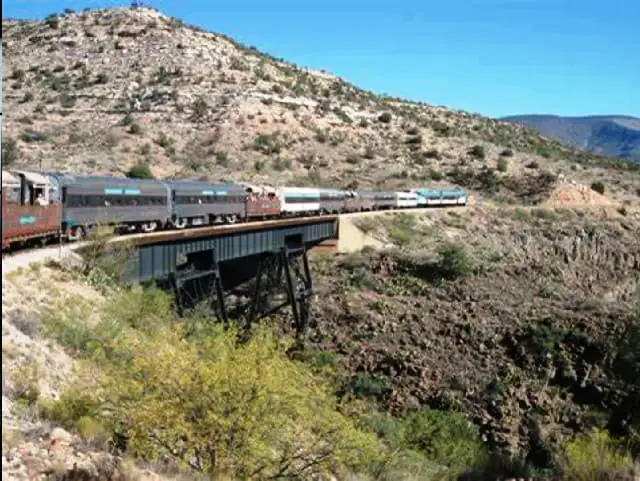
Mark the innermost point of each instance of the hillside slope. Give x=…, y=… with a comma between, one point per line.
x=610, y=135
x=101, y=91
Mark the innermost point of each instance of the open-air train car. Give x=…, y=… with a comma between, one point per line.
x=31, y=208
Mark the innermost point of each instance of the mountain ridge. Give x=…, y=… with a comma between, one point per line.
x=610, y=135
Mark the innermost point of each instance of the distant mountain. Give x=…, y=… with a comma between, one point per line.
x=610, y=135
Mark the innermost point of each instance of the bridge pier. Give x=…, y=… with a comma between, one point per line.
x=294, y=264
x=287, y=268
x=178, y=280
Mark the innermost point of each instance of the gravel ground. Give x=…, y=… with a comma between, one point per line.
x=14, y=261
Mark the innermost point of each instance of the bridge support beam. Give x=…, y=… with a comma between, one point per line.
x=286, y=269
x=294, y=264
x=178, y=280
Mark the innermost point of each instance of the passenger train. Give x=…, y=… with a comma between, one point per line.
x=38, y=207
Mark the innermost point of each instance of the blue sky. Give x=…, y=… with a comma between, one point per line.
x=494, y=57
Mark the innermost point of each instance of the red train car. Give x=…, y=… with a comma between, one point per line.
x=31, y=208
x=262, y=203
x=357, y=203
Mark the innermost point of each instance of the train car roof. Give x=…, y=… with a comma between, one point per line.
x=300, y=189
x=84, y=179
x=35, y=177
x=9, y=179
x=202, y=184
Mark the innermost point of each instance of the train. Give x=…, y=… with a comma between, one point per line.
x=38, y=207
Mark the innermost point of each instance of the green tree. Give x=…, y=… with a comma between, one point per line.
x=224, y=409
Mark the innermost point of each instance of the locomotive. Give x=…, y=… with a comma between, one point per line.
x=38, y=207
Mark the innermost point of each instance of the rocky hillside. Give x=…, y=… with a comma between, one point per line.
x=520, y=327
x=101, y=91
x=610, y=135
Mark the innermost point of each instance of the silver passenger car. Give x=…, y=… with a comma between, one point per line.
x=202, y=203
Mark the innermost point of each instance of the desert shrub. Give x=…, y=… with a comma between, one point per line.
x=426, y=445
x=268, y=143
x=227, y=409
x=403, y=229
x=453, y=262
x=598, y=187
x=199, y=108
x=506, y=153
x=432, y=154
x=478, y=152
x=70, y=325
x=369, y=153
x=435, y=175
x=10, y=152
x=25, y=382
x=105, y=264
x=135, y=129
x=445, y=437
x=140, y=171
x=385, y=118
x=88, y=330
x=503, y=164
x=145, y=309
x=595, y=456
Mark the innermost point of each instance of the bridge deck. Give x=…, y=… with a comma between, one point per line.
x=159, y=255
x=221, y=230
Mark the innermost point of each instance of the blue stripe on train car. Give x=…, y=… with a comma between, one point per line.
x=132, y=191
x=207, y=192
x=113, y=191
x=27, y=219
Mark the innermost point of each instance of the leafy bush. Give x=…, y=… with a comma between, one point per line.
x=503, y=164
x=226, y=409
x=385, y=118
x=140, y=171
x=598, y=187
x=446, y=438
x=403, y=229
x=507, y=153
x=595, y=456
x=478, y=152
x=426, y=445
x=454, y=261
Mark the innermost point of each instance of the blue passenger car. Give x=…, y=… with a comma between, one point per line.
x=443, y=196
x=91, y=200
x=201, y=203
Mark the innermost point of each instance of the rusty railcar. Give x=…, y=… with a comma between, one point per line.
x=31, y=208
x=262, y=203
x=358, y=202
